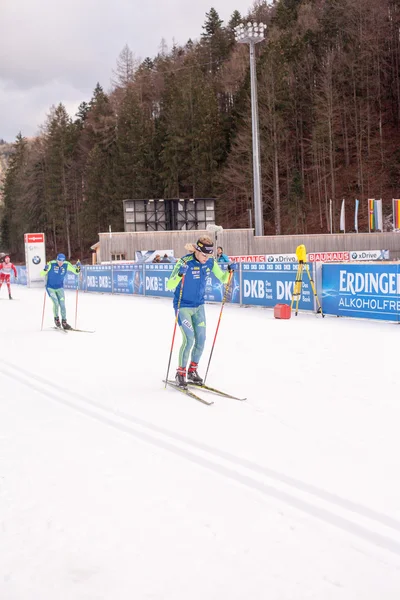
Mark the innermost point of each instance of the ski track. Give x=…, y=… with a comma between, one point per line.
x=376, y=528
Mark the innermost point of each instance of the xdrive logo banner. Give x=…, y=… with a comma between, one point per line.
x=363, y=291
x=271, y=283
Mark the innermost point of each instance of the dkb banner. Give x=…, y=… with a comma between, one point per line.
x=267, y=284
x=128, y=279
x=22, y=275
x=98, y=278
x=364, y=291
x=156, y=277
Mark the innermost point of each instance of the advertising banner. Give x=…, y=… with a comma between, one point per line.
x=155, y=278
x=248, y=258
x=155, y=256
x=328, y=256
x=128, y=279
x=71, y=281
x=35, y=258
x=215, y=290
x=21, y=274
x=98, y=279
x=281, y=258
x=348, y=256
x=367, y=255
x=271, y=283
x=363, y=291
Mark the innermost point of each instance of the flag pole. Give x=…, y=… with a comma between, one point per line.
x=344, y=216
x=394, y=220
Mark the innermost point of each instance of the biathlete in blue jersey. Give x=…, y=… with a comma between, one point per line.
x=196, y=267
x=56, y=271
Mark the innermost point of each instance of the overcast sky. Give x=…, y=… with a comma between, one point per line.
x=55, y=51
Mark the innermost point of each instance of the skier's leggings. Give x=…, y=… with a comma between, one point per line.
x=5, y=278
x=192, y=322
x=58, y=299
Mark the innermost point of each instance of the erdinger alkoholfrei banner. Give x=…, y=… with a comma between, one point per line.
x=35, y=257
x=369, y=291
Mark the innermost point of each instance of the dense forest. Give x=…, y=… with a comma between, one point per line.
x=179, y=125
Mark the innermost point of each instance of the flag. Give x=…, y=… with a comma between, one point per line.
x=356, y=216
x=378, y=215
x=375, y=218
x=342, y=218
x=396, y=214
x=371, y=215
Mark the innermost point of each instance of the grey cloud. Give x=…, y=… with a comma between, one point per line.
x=53, y=52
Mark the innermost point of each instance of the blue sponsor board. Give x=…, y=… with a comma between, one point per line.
x=268, y=284
x=155, y=279
x=215, y=290
x=128, y=279
x=71, y=281
x=364, y=291
x=98, y=279
x=22, y=275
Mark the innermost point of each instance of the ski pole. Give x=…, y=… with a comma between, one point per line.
x=76, y=303
x=219, y=321
x=44, y=304
x=176, y=322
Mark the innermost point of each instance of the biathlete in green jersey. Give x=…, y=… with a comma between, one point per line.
x=56, y=271
x=196, y=266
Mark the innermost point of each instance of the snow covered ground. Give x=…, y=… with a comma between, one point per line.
x=112, y=488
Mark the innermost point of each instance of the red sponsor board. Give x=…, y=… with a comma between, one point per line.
x=34, y=238
x=328, y=256
x=248, y=258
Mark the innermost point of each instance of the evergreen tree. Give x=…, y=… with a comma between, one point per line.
x=216, y=40
x=12, y=223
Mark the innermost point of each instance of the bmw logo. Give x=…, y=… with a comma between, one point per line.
x=354, y=255
x=36, y=260
x=270, y=259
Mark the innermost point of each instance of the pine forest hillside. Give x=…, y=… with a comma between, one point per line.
x=179, y=125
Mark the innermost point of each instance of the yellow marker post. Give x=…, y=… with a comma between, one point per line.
x=301, y=254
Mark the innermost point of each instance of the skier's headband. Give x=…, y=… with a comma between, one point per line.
x=204, y=248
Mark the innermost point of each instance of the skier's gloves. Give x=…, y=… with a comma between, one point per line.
x=182, y=270
x=46, y=268
x=232, y=267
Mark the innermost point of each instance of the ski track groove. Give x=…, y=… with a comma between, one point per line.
x=127, y=423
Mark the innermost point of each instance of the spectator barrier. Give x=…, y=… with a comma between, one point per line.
x=367, y=290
